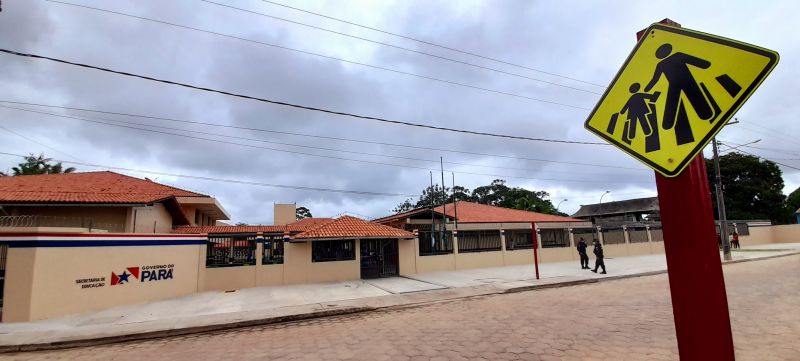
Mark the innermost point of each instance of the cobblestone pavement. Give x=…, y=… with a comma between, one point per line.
x=628, y=319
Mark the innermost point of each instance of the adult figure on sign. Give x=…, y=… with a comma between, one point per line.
x=674, y=66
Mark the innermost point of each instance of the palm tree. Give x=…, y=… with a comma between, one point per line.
x=39, y=165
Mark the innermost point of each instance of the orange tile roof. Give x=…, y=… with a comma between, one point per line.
x=306, y=224
x=228, y=229
x=469, y=212
x=352, y=227
x=294, y=227
x=86, y=187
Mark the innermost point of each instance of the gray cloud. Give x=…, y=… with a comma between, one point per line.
x=583, y=40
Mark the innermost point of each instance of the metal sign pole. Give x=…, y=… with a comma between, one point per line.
x=535, y=249
x=697, y=286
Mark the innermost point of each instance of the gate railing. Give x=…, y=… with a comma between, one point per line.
x=27, y=221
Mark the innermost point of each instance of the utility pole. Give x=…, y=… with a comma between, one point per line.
x=723, y=219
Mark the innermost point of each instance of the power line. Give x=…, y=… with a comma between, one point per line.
x=434, y=44
x=102, y=120
x=225, y=180
x=773, y=150
x=297, y=106
x=304, y=153
x=322, y=136
x=324, y=56
x=400, y=47
x=41, y=144
x=781, y=135
x=778, y=163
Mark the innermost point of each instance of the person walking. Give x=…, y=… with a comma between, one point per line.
x=582, y=252
x=735, y=239
x=598, y=257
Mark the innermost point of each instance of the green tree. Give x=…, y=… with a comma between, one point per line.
x=496, y=193
x=302, y=212
x=39, y=165
x=753, y=188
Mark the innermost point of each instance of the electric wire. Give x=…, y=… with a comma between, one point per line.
x=100, y=120
x=298, y=106
x=478, y=66
x=39, y=143
x=324, y=56
x=225, y=180
x=765, y=158
x=323, y=136
x=434, y=44
x=312, y=154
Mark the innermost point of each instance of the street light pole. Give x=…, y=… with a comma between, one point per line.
x=600, y=208
x=559, y=204
x=723, y=219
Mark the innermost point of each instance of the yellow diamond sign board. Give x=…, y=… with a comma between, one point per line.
x=675, y=91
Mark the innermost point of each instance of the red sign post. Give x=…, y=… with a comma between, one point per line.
x=697, y=286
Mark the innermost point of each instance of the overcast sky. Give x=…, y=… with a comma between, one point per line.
x=581, y=40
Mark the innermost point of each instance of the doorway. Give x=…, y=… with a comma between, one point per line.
x=379, y=258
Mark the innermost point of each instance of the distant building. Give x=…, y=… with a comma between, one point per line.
x=102, y=200
x=639, y=210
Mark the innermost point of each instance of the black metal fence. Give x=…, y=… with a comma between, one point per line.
x=637, y=234
x=588, y=234
x=519, y=239
x=27, y=221
x=335, y=250
x=231, y=250
x=272, y=250
x=554, y=238
x=613, y=235
x=479, y=241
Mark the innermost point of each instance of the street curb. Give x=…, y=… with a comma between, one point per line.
x=180, y=331
x=323, y=313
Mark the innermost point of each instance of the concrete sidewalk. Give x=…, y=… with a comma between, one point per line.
x=221, y=310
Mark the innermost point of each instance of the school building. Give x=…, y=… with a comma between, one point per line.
x=82, y=242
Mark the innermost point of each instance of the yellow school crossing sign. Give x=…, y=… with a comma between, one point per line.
x=675, y=91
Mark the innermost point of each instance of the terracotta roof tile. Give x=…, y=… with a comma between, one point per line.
x=228, y=229
x=294, y=227
x=87, y=187
x=352, y=227
x=469, y=212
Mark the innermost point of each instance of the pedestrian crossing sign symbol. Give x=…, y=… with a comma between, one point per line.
x=675, y=91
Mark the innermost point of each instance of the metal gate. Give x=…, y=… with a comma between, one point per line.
x=379, y=258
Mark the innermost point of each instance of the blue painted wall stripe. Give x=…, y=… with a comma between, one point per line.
x=106, y=243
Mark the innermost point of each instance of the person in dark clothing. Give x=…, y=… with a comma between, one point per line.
x=735, y=240
x=582, y=252
x=598, y=254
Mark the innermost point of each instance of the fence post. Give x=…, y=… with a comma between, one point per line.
x=649, y=236
x=571, y=238
x=600, y=235
x=625, y=234
x=455, y=242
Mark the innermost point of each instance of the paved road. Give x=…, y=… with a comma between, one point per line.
x=628, y=319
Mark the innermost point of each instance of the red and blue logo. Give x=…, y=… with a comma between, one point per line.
x=124, y=277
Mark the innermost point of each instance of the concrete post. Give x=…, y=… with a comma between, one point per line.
x=571, y=238
x=649, y=236
x=600, y=235
x=625, y=234
x=455, y=242
x=259, y=247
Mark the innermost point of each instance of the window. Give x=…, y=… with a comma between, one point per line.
x=554, y=238
x=518, y=239
x=231, y=250
x=336, y=250
x=272, y=252
x=479, y=241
